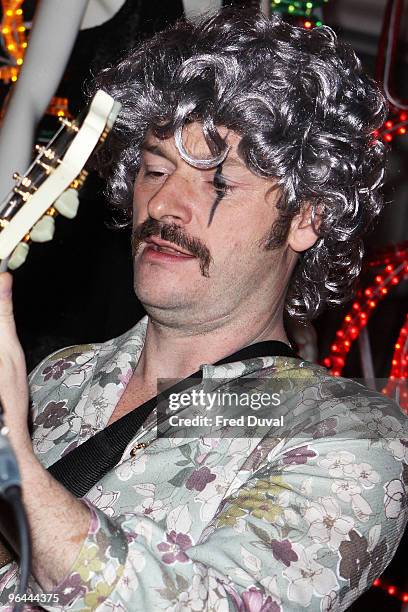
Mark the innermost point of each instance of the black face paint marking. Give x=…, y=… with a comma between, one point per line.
x=218, y=186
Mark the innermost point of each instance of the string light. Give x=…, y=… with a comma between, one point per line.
x=397, y=385
x=13, y=31
x=303, y=9
x=59, y=108
x=391, y=589
x=392, y=267
x=397, y=124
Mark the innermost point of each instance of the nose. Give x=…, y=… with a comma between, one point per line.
x=173, y=201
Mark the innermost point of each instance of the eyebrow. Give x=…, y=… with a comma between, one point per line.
x=233, y=162
x=155, y=149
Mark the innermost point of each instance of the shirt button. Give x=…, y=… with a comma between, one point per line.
x=134, y=450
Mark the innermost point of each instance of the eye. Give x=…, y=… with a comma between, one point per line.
x=220, y=186
x=154, y=174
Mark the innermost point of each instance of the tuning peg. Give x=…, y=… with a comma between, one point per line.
x=69, y=124
x=26, y=195
x=43, y=230
x=18, y=256
x=78, y=182
x=48, y=153
x=46, y=167
x=67, y=204
x=24, y=181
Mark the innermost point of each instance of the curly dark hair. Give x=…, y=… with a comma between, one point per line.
x=304, y=109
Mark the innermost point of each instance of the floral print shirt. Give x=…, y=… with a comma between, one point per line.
x=305, y=515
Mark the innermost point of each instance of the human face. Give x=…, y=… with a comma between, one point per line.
x=221, y=216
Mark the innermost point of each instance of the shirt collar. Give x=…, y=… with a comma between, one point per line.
x=246, y=360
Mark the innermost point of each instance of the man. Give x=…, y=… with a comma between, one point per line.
x=244, y=156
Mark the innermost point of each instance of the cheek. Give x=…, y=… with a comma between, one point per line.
x=236, y=248
x=244, y=233
x=140, y=201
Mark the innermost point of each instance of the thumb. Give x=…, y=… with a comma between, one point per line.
x=6, y=301
x=11, y=352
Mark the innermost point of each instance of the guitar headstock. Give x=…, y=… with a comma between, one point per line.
x=51, y=183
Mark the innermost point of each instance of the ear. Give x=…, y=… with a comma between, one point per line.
x=302, y=234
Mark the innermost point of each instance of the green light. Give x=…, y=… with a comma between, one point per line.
x=318, y=23
x=300, y=8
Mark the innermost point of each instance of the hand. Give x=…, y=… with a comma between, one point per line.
x=13, y=376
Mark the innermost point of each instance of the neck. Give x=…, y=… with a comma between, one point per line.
x=176, y=352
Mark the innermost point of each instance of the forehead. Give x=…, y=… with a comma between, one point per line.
x=196, y=145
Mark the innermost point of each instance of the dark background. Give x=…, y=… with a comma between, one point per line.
x=78, y=288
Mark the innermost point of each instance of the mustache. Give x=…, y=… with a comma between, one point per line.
x=176, y=235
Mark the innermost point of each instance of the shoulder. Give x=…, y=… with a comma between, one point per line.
x=56, y=366
x=63, y=378
x=60, y=379
x=340, y=419
x=319, y=394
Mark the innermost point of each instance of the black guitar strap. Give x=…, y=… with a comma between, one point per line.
x=80, y=469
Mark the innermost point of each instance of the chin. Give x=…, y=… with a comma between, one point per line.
x=156, y=297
